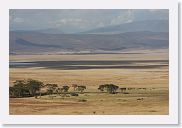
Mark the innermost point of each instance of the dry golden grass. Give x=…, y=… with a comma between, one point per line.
x=136, y=103
x=94, y=77
x=155, y=101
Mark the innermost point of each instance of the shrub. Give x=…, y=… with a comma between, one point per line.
x=110, y=88
x=73, y=94
x=82, y=100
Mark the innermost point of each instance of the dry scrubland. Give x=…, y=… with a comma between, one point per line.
x=152, y=100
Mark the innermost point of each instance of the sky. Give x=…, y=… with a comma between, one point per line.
x=78, y=20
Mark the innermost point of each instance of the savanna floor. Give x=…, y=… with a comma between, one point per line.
x=154, y=100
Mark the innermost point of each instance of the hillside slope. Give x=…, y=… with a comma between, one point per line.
x=32, y=42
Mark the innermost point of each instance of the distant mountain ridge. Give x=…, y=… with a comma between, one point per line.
x=45, y=31
x=33, y=42
x=153, y=34
x=148, y=25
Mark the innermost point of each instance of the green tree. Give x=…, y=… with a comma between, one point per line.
x=34, y=86
x=51, y=88
x=19, y=89
x=81, y=88
x=101, y=88
x=59, y=91
x=65, y=88
x=110, y=88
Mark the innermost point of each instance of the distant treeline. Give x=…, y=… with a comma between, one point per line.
x=35, y=88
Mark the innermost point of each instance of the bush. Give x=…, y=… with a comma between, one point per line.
x=82, y=100
x=74, y=94
x=110, y=88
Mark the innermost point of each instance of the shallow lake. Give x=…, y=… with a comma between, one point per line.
x=73, y=65
x=20, y=63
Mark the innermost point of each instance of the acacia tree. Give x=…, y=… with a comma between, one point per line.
x=34, y=86
x=81, y=88
x=12, y=92
x=110, y=88
x=65, y=88
x=101, y=88
x=51, y=88
x=59, y=91
x=19, y=89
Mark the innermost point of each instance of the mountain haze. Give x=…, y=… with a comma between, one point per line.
x=148, y=25
x=31, y=42
x=151, y=34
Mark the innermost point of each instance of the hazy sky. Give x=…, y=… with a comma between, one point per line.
x=78, y=20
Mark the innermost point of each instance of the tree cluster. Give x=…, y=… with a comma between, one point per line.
x=32, y=88
x=25, y=88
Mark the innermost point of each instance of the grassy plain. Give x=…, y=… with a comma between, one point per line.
x=153, y=100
